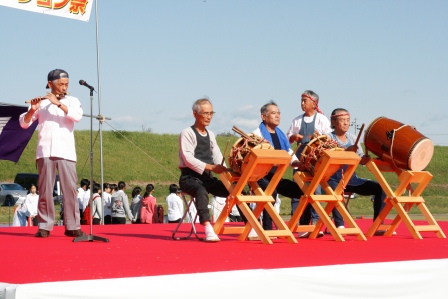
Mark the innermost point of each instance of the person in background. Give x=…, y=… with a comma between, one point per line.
x=107, y=204
x=97, y=207
x=57, y=112
x=120, y=205
x=199, y=157
x=31, y=201
x=86, y=197
x=175, y=204
x=136, y=203
x=27, y=209
x=113, y=188
x=85, y=184
x=148, y=211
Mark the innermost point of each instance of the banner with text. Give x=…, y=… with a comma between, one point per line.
x=74, y=9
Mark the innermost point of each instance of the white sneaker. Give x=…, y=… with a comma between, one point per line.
x=381, y=232
x=304, y=235
x=253, y=235
x=307, y=235
x=210, y=235
x=341, y=226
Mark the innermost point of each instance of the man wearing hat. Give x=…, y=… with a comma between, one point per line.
x=56, y=113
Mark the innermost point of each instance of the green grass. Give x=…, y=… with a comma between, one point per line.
x=140, y=158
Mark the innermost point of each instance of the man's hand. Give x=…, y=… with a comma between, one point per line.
x=53, y=99
x=295, y=138
x=299, y=165
x=365, y=159
x=217, y=168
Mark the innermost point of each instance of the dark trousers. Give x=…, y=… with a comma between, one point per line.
x=286, y=188
x=199, y=188
x=118, y=220
x=367, y=188
x=108, y=219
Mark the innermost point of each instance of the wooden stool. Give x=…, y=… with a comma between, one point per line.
x=330, y=162
x=402, y=204
x=258, y=159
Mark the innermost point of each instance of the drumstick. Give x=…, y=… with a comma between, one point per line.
x=297, y=148
x=244, y=135
x=225, y=151
x=359, y=135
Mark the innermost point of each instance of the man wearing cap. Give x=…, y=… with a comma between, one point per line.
x=56, y=113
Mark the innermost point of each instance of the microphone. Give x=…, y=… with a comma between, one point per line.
x=82, y=82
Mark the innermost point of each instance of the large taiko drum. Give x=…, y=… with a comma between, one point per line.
x=398, y=144
x=314, y=150
x=241, y=150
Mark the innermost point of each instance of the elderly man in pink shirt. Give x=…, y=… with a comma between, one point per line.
x=56, y=113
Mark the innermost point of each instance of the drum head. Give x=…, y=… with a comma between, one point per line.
x=241, y=150
x=313, y=151
x=421, y=155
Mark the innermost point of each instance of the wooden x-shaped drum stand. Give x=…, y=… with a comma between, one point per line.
x=259, y=161
x=329, y=163
x=402, y=204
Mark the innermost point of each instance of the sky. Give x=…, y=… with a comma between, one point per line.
x=156, y=57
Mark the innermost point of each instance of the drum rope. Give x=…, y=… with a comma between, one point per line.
x=316, y=151
x=392, y=144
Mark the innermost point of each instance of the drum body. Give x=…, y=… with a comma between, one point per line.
x=314, y=150
x=398, y=144
x=241, y=150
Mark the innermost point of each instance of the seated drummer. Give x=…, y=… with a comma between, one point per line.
x=268, y=129
x=340, y=122
x=199, y=156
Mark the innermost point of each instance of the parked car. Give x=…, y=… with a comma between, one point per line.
x=28, y=179
x=10, y=193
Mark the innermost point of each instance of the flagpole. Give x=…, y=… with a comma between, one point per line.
x=99, y=106
x=101, y=118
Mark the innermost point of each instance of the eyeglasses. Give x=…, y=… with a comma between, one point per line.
x=274, y=112
x=207, y=113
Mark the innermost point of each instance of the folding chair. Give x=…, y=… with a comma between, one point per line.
x=193, y=220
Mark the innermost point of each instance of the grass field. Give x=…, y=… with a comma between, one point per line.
x=140, y=158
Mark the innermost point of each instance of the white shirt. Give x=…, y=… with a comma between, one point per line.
x=187, y=145
x=55, y=137
x=80, y=197
x=322, y=124
x=107, y=204
x=175, y=207
x=85, y=199
x=31, y=203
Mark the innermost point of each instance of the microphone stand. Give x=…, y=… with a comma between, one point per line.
x=90, y=237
